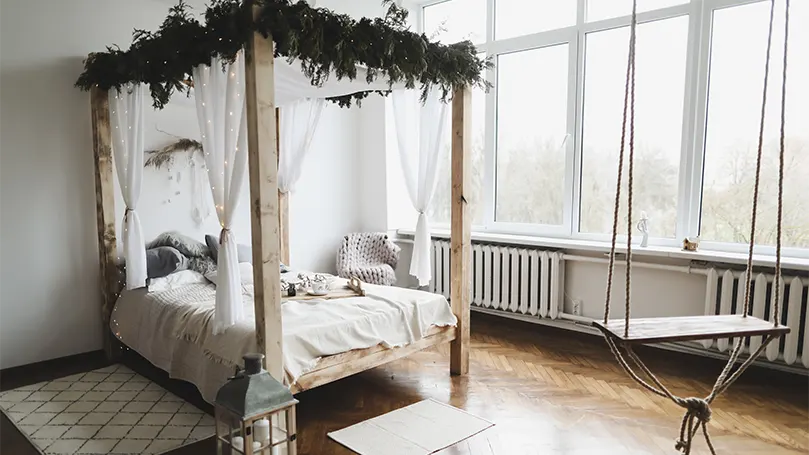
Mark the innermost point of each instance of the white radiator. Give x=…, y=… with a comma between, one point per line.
x=725, y=295
x=529, y=283
x=524, y=281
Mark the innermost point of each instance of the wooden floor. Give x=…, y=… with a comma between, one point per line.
x=549, y=392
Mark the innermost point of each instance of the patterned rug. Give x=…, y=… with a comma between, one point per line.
x=109, y=410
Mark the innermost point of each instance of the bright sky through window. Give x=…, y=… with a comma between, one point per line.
x=546, y=139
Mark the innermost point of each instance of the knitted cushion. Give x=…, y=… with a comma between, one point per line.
x=369, y=256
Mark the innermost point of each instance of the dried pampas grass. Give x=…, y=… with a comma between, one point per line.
x=164, y=157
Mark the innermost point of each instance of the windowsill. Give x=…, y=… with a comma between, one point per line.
x=761, y=260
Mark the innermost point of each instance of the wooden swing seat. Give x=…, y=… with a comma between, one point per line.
x=688, y=328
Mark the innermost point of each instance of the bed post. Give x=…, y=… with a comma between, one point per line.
x=283, y=198
x=105, y=215
x=460, y=241
x=263, y=164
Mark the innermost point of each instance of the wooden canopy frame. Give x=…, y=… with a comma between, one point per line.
x=270, y=234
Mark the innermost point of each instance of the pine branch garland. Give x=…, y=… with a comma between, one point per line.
x=321, y=40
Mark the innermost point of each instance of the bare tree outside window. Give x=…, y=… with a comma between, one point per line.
x=440, y=209
x=660, y=91
x=734, y=103
x=531, y=135
x=697, y=118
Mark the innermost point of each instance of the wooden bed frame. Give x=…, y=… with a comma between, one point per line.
x=270, y=233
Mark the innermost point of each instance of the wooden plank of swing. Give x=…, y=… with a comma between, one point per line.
x=688, y=328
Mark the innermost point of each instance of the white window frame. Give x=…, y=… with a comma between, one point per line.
x=689, y=193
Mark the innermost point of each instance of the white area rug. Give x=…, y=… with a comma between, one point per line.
x=419, y=429
x=109, y=410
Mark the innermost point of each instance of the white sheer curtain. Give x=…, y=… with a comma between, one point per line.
x=219, y=93
x=126, y=117
x=420, y=135
x=298, y=124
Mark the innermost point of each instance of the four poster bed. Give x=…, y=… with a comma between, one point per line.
x=388, y=55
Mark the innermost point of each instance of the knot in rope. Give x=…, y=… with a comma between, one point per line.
x=696, y=409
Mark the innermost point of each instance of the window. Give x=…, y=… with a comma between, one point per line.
x=546, y=138
x=531, y=132
x=738, y=50
x=456, y=20
x=520, y=17
x=605, y=9
x=660, y=92
x=440, y=208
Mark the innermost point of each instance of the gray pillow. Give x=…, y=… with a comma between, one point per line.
x=245, y=251
x=186, y=245
x=163, y=261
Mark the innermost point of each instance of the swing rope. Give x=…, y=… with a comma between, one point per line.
x=630, y=70
x=697, y=410
x=780, y=216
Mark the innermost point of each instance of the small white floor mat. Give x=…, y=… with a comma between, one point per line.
x=109, y=410
x=419, y=429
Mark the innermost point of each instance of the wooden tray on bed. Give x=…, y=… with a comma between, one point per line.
x=352, y=289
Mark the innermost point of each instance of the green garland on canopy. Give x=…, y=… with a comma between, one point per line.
x=323, y=41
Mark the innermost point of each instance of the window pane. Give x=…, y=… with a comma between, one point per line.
x=660, y=90
x=456, y=20
x=734, y=107
x=440, y=209
x=531, y=131
x=518, y=17
x=605, y=9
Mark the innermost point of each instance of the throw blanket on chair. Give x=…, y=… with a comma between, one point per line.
x=369, y=256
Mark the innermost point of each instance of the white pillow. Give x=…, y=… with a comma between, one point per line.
x=245, y=269
x=176, y=280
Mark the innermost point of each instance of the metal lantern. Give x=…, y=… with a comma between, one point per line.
x=255, y=414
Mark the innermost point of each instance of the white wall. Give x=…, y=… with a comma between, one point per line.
x=324, y=206
x=49, y=298
x=655, y=293
x=49, y=294
x=381, y=182
x=372, y=158
x=166, y=197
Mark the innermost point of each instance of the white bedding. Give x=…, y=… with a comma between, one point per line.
x=172, y=328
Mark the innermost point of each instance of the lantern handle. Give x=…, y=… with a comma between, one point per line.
x=239, y=373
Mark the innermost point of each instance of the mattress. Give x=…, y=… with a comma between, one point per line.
x=172, y=329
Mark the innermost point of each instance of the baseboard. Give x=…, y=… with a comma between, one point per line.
x=47, y=370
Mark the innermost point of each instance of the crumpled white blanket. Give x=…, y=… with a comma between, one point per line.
x=153, y=323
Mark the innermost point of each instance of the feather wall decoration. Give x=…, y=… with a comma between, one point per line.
x=164, y=157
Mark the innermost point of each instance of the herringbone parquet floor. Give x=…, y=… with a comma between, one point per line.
x=549, y=391
x=553, y=392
